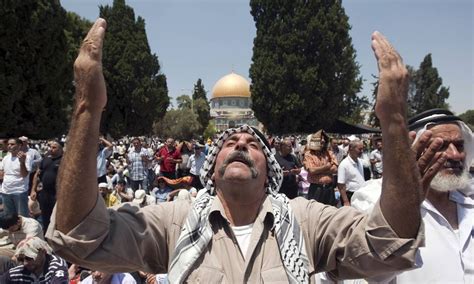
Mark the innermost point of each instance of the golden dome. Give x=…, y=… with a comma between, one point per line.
x=231, y=85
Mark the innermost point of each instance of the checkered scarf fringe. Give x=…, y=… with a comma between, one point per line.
x=197, y=232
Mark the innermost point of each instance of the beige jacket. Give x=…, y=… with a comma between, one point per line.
x=343, y=242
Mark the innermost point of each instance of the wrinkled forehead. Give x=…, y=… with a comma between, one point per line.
x=446, y=130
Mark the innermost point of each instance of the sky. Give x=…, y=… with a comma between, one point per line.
x=209, y=39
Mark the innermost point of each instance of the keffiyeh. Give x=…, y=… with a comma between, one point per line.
x=197, y=233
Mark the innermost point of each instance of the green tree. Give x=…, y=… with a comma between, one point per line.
x=184, y=102
x=178, y=123
x=137, y=92
x=201, y=105
x=468, y=118
x=429, y=90
x=34, y=69
x=210, y=131
x=373, y=120
x=75, y=31
x=303, y=65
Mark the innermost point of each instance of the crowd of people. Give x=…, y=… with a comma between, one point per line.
x=244, y=206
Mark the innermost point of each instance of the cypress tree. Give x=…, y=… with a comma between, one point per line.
x=201, y=105
x=429, y=90
x=35, y=74
x=303, y=65
x=137, y=91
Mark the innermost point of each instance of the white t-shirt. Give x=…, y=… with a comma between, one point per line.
x=351, y=173
x=13, y=182
x=243, y=234
x=118, y=278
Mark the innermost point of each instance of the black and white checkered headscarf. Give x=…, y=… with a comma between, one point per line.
x=197, y=232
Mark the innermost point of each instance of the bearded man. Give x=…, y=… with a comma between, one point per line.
x=448, y=209
x=240, y=230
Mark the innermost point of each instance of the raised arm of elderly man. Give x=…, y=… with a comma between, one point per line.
x=402, y=191
x=77, y=189
x=402, y=188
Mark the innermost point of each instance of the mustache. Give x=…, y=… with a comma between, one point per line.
x=239, y=156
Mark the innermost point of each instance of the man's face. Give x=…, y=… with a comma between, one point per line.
x=119, y=186
x=103, y=191
x=137, y=144
x=55, y=149
x=285, y=147
x=333, y=143
x=357, y=150
x=161, y=183
x=12, y=146
x=378, y=145
x=170, y=143
x=33, y=265
x=453, y=174
x=241, y=159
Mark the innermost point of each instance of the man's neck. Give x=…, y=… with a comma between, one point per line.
x=354, y=158
x=241, y=211
x=445, y=206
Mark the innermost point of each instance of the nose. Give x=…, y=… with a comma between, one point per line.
x=453, y=152
x=241, y=145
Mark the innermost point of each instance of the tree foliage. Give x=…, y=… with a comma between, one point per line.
x=373, y=119
x=303, y=65
x=425, y=90
x=210, y=131
x=184, y=102
x=35, y=73
x=181, y=123
x=137, y=92
x=468, y=118
x=201, y=105
x=429, y=91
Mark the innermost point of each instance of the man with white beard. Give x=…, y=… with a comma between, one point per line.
x=448, y=208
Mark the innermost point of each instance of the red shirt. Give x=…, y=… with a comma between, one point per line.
x=167, y=165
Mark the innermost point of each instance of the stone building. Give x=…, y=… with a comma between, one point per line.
x=231, y=102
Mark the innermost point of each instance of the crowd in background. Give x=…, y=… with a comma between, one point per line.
x=150, y=170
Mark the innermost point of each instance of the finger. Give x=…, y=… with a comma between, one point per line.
x=412, y=136
x=98, y=26
x=430, y=173
x=421, y=144
x=93, y=42
x=429, y=155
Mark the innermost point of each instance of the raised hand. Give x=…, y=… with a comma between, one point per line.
x=393, y=81
x=428, y=157
x=91, y=94
x=21, y=156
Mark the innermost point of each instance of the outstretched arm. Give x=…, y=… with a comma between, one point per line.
x=402, y=188
x=80, y=186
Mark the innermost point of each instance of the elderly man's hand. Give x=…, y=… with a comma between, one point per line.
x=393, y=81
x=90, y=84
x=429, y=159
